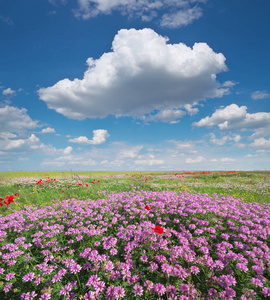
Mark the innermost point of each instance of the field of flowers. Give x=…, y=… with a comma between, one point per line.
x=171, y=235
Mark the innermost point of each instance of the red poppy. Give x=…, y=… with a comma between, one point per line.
x=63, y=191
x=80, y=184
x=147, y=207
x=10, y=198
x=1, y=199
x=16, y=194
x=86, y=184
x=1, y=204
x=6, y=202
x=158, y=229
x=98, y=181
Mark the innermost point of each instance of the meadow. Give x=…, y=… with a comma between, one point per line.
x=135, y=235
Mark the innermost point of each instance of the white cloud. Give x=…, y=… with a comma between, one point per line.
x=8, y=91
x=251, y=155
x=147, y=10
x=70, y=160
x=191, y=110
x=67, y=150
x=99, y=137
x=221, y=116
x=261, y=143
x=48, y=130
x=229, y=84
x=223, y=160
x=198, y=159
x=181, y=18
x=15, y=119
x=233, y=117
x=142, y=73
x=130, y=152
x=260, y=95
x=187, y=145
x=166, y=116
x=220, y=142
x=149, y=162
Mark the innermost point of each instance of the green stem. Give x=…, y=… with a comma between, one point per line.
x=78, y=279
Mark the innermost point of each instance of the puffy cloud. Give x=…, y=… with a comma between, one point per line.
x=8, y=91
x=260, y=95
x=145, y=9
x=67, y=150
x=261, y=143
x=15, y=119
x=221, y=116
x=198, y=159
x=99, y=137
x=143, y=73
x=233, y=117
x=166, y=116
x=48, y=130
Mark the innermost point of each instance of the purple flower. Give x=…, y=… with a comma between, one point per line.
x=9, y=276
x=138, y=290
x=75, y=268
x=159, y=289
x=28, y=277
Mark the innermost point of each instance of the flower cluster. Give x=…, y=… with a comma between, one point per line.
x=144, y=244
x=9, y=199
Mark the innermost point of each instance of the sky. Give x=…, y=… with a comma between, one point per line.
x=119, y=85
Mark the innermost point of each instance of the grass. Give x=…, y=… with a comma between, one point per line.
x=70, y=236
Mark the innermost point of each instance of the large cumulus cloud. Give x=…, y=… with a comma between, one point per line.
x=142, y=73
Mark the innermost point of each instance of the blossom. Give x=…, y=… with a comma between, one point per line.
x=147, y=207
x=158, y=229
x=138, y=290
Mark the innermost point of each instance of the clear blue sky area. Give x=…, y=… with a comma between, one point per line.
x=134, y=85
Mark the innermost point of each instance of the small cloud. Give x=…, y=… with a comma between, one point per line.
x=224, y=160
x=261, y=143
x=181, y=18
x=251, y=155
x=191, y=111
x=260, y=95
x=229, y=84
x=48, y=130
x=6, y=20
x=166, y=116
x=198, y=159
x=149, y=162
x=99, y=137
x=8, y=91
x=67, y=150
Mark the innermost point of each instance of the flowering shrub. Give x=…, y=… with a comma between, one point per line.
x=137, y=245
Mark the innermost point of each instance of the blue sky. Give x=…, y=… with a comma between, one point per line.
x=134, y=85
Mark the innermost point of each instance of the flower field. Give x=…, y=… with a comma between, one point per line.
x=184, y=235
